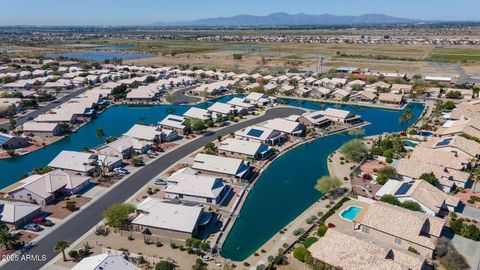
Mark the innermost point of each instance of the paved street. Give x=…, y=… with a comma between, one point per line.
x=46, y=108
x=179, y=97
x=91, y=215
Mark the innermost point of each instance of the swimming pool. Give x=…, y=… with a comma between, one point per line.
x=351, y=212
x=409, y=143
x=425, y=133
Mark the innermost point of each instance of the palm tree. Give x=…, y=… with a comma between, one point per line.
x=475, y=178
x=405, y=119
x=8, y=240
x=60, y=246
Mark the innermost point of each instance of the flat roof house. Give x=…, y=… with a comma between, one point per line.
x=222, y=166
x=390, y=98
x=105, y=261
x=198, y=188
x=59, y=116
x=83, y=162
x=44, y=189
x=261, y=134
x=45, y=129
x=144, y=133
x=241, y=103
x=9, y=142
x=16, y=214
x=243, y=149
x=351, y=250
x=197, y=113
x=400, y=227
x=222, y=109
x=341, y=116
x=167, y=218
x=173, y=122
x=432, y=200
x=285, y=126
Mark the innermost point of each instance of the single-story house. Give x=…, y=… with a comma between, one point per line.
x=390, y=98
x=223, y=109
x=144, y=133
x=16, y=214
x=105, y=261
x=197, y=113
x=45, y=129
x=83, y=162
x=341, y=116
x=459, y=145
x=364, y=96
x=222, y=166
x=243, y=149
x=173, y=122
x=261, y=134
x=9, y=142
x=166, y=218
x=198, y=188
x=285, y=126
x=314, y=119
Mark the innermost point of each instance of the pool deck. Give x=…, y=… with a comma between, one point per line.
x=341, y=223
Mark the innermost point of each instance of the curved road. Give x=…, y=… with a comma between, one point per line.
x=78, y=225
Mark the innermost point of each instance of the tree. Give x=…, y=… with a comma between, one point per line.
x=354, y=150
x=165, y=265
x=449, y=105
x=117, y=215
x=199, y=265
x=73, y=254
x=322, y=230
x=390, y=199
x=388, y=171
x=382, y=179
x=99, y=132
x=8, y=240
x=299, y=253
x=60, y=246
x=411, y=205
x=310, y=241
x=71, y=205
x=405, y=119
x=430, y=178
x=453, y=94
x=475, y=177
x=327, y=183
x=197, y=125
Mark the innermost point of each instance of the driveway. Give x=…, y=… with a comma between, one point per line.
x=78, y=225
x=469, y=249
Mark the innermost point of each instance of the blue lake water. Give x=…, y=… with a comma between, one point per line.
x=286, y=188
x=115, y=47
x=101, y=55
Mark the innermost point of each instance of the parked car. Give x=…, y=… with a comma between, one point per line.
x=160, y=182
x=152, y=153
x=42, y=221
x=121, y=170
x=206, y=258
x=33, y=227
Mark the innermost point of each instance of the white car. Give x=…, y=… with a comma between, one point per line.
x=120, y=170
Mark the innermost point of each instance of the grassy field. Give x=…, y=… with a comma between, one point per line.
x=455, y=55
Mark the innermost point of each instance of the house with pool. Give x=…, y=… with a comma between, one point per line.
x=432, y=200
x=352, y=250
x=399, y=227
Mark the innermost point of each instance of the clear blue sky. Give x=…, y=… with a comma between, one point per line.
x=127, y=12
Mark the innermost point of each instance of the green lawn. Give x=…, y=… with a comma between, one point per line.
x=455, y=55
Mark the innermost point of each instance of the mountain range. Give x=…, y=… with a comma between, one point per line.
x=285, y=19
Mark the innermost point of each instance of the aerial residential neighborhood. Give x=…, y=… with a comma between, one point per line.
x=251, y=135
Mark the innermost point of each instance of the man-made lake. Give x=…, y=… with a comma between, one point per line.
x=286, y=188
x=101, y=55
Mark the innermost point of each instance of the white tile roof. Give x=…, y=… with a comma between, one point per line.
x=168, y=215
x=198, y=113
x=11, y=211
x=173, y=121
x=241, y=146
x=197, y=185
x=105, y=261
x=143, y=132
x=226, y=165
x=80, y=161
x=283, y=125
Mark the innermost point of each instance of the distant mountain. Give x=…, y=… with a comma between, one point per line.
x=285, y=19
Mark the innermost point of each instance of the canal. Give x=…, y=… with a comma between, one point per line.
x=286, y=188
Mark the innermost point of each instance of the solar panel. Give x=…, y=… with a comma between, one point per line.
x=403, y=189
x=444, y=142
x=3, y=139
x=255, y=132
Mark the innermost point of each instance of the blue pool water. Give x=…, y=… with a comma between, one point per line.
x=351, y=212
x=101, y=55
x=409, y=143
x=425, y=133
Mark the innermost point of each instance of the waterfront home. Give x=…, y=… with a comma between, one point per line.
x=105, y=261
x=10, y=142
x=340, y=94
x=364, y=96
x=221, y=166
x=341, y=116
x=320, y=92
x=260, y=134
x=197, y=113
x=144, y=133
x=314, y=119
x=222, y=109
x=124, y=147
x=143, y=93
x=378, y=87
x=44, y=189
x=440, y=158
x=243, y=149
x=465, y=110
x=354, y=84
x=449, y=179
x=391, y=99
x=166, y=218
x=59, y=116
x=286, y=126
x=401, y=88
x=459, y=145
x=285, y=89
x=240, y=103
x=400, y=227
x=173, y=122
x=470, y=127
x=15, y=215
x=198, y=188
x=42, y=129
x=214, y=88
x=432, y=200
x=257, y=99
x=352, y=250
x=270, y=87
x=83, y=162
